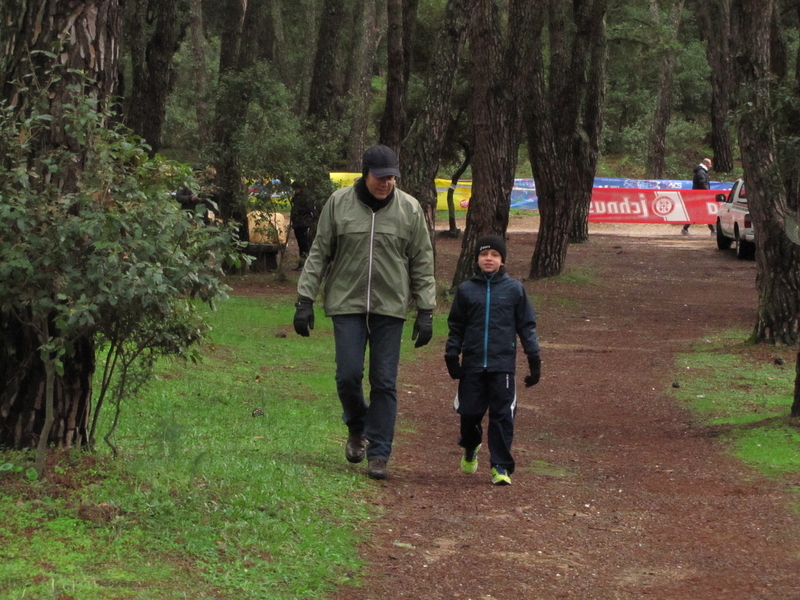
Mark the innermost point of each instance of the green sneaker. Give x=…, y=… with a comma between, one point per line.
x=500, y=476
x=469, y=462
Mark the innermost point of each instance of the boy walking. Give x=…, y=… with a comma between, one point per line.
x=489, y=311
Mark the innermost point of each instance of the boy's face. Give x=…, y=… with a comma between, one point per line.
x=490, y=261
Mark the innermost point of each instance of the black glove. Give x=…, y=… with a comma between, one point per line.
x=535, y=364
x=454, y=367
x=303, y=315
x=423, y=327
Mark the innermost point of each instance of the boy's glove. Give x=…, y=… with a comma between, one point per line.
x=454, y=368
x=535, y=364
x=303, y=315
x=423, y=327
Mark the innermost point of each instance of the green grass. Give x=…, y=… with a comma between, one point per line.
x=745, y=394
x=205, y=500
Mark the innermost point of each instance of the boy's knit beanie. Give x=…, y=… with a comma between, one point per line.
x=491, y=242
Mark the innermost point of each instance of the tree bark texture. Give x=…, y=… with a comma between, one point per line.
x=233, y=98
x=715, y=20
x=155, y=31
x=423, y=144
x=663, y=113
x=393, y=121
x=589, y=147
x=360, y=87
x=778, y=259
x=558, y=142
x=326, y=80
x=89, y=33
x=499, y=83
x=197, y=41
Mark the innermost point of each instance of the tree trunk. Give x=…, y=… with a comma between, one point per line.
x=778, y=259
x=795, y=412
x=326, y=79
x=239, y=50
x=557, y=139
x=715, y=20
x=199, y=79
x=90, y=33
x=499, y=86
x=360, y=87
x=658, y=139
x=423, y=143
x=393, y=121
x=151, y=59
x=588, y=147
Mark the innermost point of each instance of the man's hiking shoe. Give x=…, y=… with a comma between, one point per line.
x=377, y=468
x=469, y=462
x=355, y=448
x=500, y=476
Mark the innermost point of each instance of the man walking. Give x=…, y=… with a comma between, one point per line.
x=375, y=254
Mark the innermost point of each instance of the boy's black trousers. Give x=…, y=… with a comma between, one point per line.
x=495, y=392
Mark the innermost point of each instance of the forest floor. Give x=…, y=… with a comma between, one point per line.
x=619, y=494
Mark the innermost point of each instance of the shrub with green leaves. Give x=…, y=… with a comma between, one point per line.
x=93, y=244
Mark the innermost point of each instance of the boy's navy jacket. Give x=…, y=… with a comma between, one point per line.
x=486, y=317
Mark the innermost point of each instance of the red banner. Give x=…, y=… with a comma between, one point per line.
x=623, y=205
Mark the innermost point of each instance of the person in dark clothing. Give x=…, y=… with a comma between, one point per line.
x=303, y=216
x=489, y=311
x=701, y=181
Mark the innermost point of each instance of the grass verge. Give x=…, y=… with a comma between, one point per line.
x=744, y=393
x=230, y=482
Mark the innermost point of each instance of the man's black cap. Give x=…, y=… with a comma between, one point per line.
x=381, y=161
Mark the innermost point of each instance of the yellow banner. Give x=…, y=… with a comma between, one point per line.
x=461, y=194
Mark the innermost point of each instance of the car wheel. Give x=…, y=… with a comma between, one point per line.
x=744, y=250
x=723, y=242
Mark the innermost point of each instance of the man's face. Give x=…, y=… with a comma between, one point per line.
x=380, y=187
x=490, y=261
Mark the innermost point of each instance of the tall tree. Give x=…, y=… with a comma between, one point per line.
x=715, y=21
x=238, y=54
x=83, y=36
x=197, y=44
x=666, y=38
x=154, y=29
x=499, y=82
x=423, y=144
x=560, y=146
x=360, y=76
x=769, y=127
x=326, y=81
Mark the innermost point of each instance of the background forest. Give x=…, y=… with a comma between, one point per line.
x=648, y=41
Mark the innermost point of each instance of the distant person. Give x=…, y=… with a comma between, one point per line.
x=374, y=252
x=304, y=215
x=701, y=181
x=207, y=197
x=489, y=311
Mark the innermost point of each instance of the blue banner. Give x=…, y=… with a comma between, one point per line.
x=524, y=193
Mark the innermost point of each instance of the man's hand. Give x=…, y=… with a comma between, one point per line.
x=303, y=315
x=454, y=367
x=423, y=327
x=535, y=364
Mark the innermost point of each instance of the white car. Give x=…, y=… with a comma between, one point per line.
x=734, y=223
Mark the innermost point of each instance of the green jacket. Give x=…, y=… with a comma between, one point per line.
x=374, y=262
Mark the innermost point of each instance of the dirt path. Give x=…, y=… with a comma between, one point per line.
x=617, y=494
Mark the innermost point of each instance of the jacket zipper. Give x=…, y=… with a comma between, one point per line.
x=486, y=324
x=369, y=264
